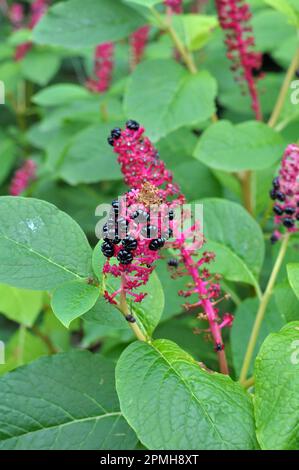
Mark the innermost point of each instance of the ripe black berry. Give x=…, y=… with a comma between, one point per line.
x=125, y=257
x=107, y=249
x=273, y=194
x=115, y=204
x=287, y=222
x=171, y=214
x=142, y=216
x=289, y=210
x=273, y=238
x=129, y=243
x=275, y=183
x=130, y=318
x=116, y=133
x=156, y=244
x=110, y=141
x=277, y=210
x=132, y=125
x=173, y=263
x=280, y=196
x=219, y=347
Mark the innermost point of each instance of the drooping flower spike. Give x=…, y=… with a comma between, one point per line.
x=16, y=15
x=22, y=178
x=234, y=17
x=138, y=41
x=285, y=193
x=152, y=184
x=103, y=68
x=174, y=5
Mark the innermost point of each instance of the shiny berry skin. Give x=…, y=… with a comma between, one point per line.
x=142, y=216
x=107, y=249
x=115, y=204
x=171, y=214
x=132, y=125
x=277, y=210
x=287, y=222
x=280, y=196
x=129, y=243
x=275, y=183
x=219, y=347
x=273, y=238
x=289, y=210
x=125, y=257
x=110, y=141
x=116, y=133
x=130, y=318
x=273, y=194
x=173, y=263
x=156, y=244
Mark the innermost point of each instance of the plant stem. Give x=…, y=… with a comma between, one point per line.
x=124, y=309
x=284, y=90
x=52, y=349
x=185, y=54
x=262, y=308
x=248, y=383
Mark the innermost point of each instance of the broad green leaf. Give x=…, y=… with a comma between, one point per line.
x=164, y=105
x=75, y=24
x=172, y=403
x=145, y=3
x=250, y=145
x=194, y=30
x=270, y=30
x=40, y=66
x=20, y=305
x=73, y=299
x=288, y=8
x=293, y=275
x=236, y=239
x=89, y=156
x=7, y=153
x=276, y=399
x=40, y=246
x=22, y=348
x=105, y=314
x=59, y=95
x=286, y=301
x=63, y=402
x=242, y=327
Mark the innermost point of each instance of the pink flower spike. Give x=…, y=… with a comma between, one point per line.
x=16, y=15
x=22, y=178
x=175, y=6
x=103, y=68
x=138, y=43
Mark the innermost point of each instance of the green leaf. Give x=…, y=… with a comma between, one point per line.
x=58, y=95
x=276, y=399
x=89, y=156
x=242, y=327
x=63, y=402
x=22, y=348
x=105, y=314
x=75, y=24
x=7, y=152
x=40, y=66
x=194, y=30
x=286, y=8
x=163, y=105
x=73, y=299
x=40, y=246
x=293, y=275
x=248, y=146
x=145, y=3
x=286, y=301
x=236, y=238
x=172, y=403
x=19, y=305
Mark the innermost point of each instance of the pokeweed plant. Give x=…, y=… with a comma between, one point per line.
x=199, y=312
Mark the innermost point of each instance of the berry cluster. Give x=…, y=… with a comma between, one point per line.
x=285, y=192
x=138, y=42
x=234, y=16
x=22, y=178
x=103, y=68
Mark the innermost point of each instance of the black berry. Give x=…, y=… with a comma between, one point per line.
x=171, y=214
x=142, y=216
x=273, y=238
x=156, y=244
x=110, y=141
x=173, y=263
x=129, y=243
x=130, y=319
x=273, y=194
x=132, y=125
x=277, y=210
x=287, y=222
x=125, y=257
x=289, y=210
x=275, y=183
x=107, y=249
x=219, y=347
x=116, y=133
x=280, y=196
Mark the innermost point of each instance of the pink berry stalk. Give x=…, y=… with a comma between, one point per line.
x=149, y=180
x=234, y=17
x=103, y=68
x=138, y=42
x=285, y=193
x=22, y=178
x=175, y=6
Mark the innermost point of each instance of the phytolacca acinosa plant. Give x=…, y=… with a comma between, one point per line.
x=175, y=6
x=22, y=178
x=37, y=10
x=103, y=68
x=148, y=177
x=138, y=42
x=285, y=193
x=234, y=16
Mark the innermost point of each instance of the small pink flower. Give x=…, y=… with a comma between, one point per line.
x=285, y=192
x=234, y=17
x=103, y=68
x=22, y=178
